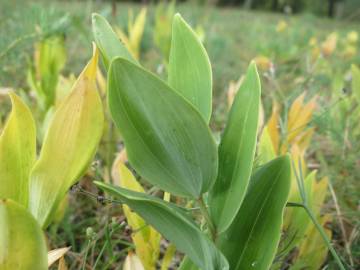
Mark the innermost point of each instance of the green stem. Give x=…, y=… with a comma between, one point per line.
x=205, y=213
x=325, y=238
x=85, y=256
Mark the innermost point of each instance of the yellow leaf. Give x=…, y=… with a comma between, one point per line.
x=299, y=117
x=17, y=152
x=69, y=145
x=145, y=238
x=22, y=242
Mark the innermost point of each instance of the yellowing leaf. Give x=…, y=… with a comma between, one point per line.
x=17, y=152
x=69, y=145
x=273, y=126
x=266, y=151
x=313, y=251
x=145, y=238
x=22, y=243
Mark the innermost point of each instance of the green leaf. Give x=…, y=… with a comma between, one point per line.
x=22, y=243
x=17, y=152
x=108, y=42
x=167, y=140
x=172, y=222
x=69, y=145
x=236, y=152
x=252, y=239
x=189, y=67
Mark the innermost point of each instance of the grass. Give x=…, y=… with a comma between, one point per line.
x=97, y=231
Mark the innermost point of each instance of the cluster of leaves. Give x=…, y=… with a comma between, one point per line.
x=169, y=144
x=32, y=188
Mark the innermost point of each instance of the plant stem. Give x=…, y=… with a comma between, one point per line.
x=325, y=238
x=205, y=213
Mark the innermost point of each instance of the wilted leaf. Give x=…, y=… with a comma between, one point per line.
x=132, y=262
x=236, y=152
x=189, y=67
x=167, y=141
x=173, y=224
x=69, y=145
x=107, y=41
x=56, y=254
x=22, y=243
x=17, y=152
x=252, y=239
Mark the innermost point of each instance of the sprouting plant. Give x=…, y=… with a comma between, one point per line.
x=31, y=188
x=168, y=142
x=43, y=76
x=162, y=29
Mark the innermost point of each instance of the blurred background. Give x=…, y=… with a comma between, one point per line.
x=306, y=52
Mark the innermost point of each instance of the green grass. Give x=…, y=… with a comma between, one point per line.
x=233, y=38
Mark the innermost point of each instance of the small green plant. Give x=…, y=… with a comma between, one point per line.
x=31, y=188
x=169, y=143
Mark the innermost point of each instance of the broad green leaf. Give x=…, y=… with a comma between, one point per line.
x=252, y=239
x=167, y=141
x=69, y=145
x=108, y=42
x=236, y=152
x=355, y=72
x=172, y=222
x=17, y=152
x=189, y=67
x=22, y=243
x=145, y=238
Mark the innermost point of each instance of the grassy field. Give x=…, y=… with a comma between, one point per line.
x=284, y=48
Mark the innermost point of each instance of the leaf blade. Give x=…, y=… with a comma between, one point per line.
x=17, y=152
x=167, y=141
x=189, y=67
x=22, y=241
x=107, y=41
x=255, y=232
x=69, y=145
x=173, y=224
x=236, y=152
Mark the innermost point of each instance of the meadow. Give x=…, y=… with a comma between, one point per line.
x=309, y=69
